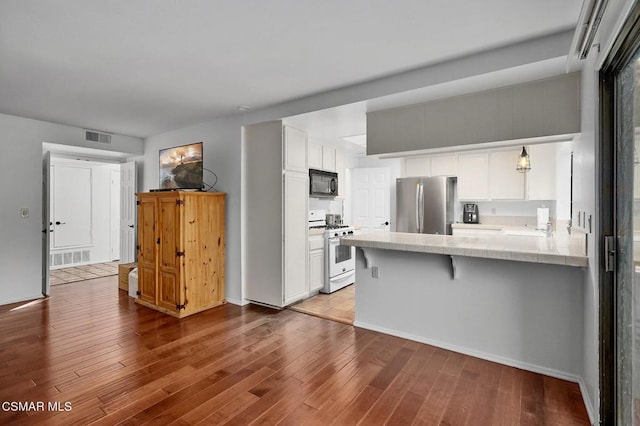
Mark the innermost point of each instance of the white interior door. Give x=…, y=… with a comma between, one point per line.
x=128, y=212
x=114, y=234
x=371, y=197
x=46, y=225
x=71, y=206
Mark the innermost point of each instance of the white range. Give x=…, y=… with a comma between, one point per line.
x=340, y=269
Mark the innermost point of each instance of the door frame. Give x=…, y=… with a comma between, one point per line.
x=46, y=224
x=626, y=45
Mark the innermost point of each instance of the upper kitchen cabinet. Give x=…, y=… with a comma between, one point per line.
x=341, y=169
x=444, y=165
x=294, y=150
x=329, y=158
x=505, y=182
x=473, y=177
x=541, y=179
x=417, y=166
x=535, y=109
x=322, y=157
x=315, y=156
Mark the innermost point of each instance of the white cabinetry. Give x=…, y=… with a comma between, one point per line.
x=341, y=169
x=444, y=165
x=473, y=177
x=316, y=263
x=329, y=158
x=315, y=156
x=275, y=179
x=322, y=157
x=294, y=150
x=505, y=182
x=296, y=187
x=416, y=166
x=541, y=179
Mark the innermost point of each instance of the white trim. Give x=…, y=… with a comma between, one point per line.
x=483, y=145
x=238, y=302
x=483, y=355
x=607, y=45
x=587, y=401
x=22, y=299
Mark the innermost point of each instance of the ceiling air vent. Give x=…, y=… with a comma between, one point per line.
x=97, y=137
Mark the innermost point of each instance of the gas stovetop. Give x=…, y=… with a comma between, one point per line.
x=329, y=227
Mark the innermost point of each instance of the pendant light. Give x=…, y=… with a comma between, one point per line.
x=523, y=165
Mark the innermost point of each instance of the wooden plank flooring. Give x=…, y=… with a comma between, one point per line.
x=337, y=306
x=116, y=362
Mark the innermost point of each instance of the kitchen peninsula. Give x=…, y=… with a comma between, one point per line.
x=516, y=300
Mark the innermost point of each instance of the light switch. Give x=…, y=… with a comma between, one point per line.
x=24, y=212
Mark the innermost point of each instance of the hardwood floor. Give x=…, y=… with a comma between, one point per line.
x=337, y=306
x=115, y=362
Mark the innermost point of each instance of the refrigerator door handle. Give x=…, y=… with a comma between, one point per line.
x=418, y=186
x=421, y=204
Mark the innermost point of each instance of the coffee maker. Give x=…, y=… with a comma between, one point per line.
x=470, y=213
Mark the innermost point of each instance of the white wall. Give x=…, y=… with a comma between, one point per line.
x=21, y=174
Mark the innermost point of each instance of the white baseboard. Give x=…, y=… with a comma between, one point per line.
x=478, y=354
x=237, y=302
x=587, y=401
x=22, y=299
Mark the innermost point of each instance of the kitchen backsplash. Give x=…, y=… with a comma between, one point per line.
x=491, y=210
x=331, y=206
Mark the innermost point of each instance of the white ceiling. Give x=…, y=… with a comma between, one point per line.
x=146, y=66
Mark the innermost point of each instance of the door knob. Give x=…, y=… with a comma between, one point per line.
x=385, y=223
x=130, y=226
x=60, y=223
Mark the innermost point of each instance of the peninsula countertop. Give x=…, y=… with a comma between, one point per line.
x=563, y=250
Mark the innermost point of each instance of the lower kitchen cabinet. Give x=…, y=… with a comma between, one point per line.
x=181, y=251
x=316, y=263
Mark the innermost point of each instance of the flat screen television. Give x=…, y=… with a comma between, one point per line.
x=181, y=167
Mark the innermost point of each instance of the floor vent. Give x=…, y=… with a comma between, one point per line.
x=92, y=136
x=68, y=258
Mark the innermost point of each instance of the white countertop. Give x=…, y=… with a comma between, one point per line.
x=559, y=250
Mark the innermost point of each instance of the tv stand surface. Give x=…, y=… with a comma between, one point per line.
x=175, y=189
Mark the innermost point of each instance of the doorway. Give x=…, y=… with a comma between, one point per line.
x=89, y=213
x=84, y=212
x=371, y=198
x=620, y=228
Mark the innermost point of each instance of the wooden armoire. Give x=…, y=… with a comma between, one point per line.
x=181, y=251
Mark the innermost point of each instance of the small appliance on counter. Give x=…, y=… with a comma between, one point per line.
x=333, y=219
x=470, y=213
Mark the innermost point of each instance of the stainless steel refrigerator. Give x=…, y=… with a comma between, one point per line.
x=425, y=204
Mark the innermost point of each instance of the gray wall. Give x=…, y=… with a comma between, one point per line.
x=21, y=177
x=221, y=152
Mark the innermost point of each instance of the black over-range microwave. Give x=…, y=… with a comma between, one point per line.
x=323, y=184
